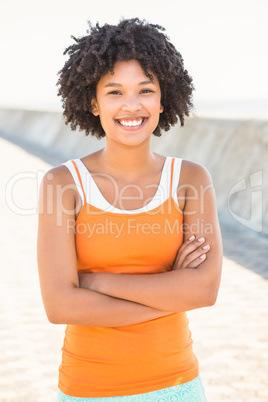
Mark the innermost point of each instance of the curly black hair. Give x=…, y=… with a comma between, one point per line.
x=94, y=55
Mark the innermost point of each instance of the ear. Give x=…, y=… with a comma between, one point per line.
x=94, y=106
x=161, y=108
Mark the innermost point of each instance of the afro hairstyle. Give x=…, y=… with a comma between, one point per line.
x=94, y=55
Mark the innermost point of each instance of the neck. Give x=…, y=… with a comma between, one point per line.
x=127, y=159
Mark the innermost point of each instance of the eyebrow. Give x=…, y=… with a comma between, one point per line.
x=115, y=84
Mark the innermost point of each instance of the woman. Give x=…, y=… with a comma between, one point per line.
x=121, y=248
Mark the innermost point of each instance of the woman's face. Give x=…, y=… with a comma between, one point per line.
x=128, y=103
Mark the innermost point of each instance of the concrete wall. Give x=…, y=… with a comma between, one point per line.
x=234, y=151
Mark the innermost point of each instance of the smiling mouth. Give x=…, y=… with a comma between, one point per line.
x=131, y=123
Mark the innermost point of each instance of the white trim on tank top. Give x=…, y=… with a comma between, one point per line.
x=95, y=198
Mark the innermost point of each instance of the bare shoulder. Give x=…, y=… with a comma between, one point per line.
x=194, y=174
x=57, y=175
x=58, y=190
x=194, y=181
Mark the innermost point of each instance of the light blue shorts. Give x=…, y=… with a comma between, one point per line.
x=192, y=391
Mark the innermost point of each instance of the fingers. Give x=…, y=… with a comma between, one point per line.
x=198, y=261
x=191, y=250
x=188, y=247
x=196, y=258
x=187, y=242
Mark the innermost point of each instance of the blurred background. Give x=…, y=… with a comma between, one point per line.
x=224, y=46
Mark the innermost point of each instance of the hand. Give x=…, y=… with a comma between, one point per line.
x=191, y=253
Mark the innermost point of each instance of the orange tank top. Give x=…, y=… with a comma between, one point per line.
x=103, y=362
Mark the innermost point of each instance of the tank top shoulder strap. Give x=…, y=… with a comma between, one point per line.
x=175, y=178
x=171, y=177
x=73, y=168
x=79, y=178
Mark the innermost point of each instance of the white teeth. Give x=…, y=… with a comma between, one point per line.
x=131, y=123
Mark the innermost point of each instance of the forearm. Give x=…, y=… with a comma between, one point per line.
x=177, y=291
x=85, y=307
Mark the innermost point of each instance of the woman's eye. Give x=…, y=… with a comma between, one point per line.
x=114, y=93
x=146, y=91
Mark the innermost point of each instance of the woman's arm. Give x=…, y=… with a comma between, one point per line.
x=180, y=289
x=64, y=301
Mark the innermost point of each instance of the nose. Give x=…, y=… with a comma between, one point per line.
x=131, y=104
